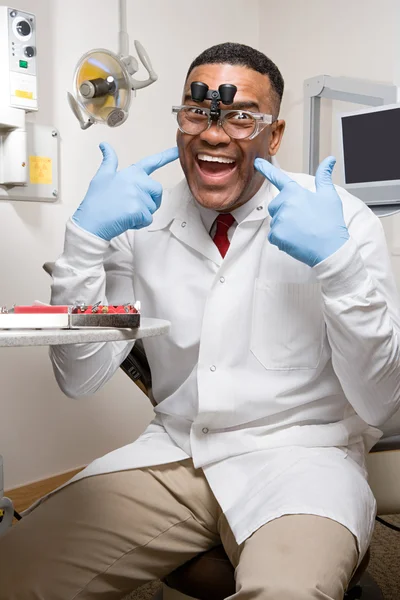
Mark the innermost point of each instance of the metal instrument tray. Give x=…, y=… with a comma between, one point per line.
x=115, y=320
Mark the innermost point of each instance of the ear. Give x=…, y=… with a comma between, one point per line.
x=276, y=135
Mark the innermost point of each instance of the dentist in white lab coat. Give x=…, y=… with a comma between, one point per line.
x=281, y=364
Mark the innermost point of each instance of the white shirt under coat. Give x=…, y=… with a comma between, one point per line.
x=274, y=375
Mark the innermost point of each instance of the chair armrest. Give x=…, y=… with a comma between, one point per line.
x=137, y=368
x=388, y=443
x=383, y=465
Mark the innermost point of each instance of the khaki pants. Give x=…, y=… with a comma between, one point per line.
x=106, y=535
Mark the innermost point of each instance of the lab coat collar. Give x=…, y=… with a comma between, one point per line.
x=176, y=201
x=173, y=203
x=181, y=213
x=254, y=209
x=257, y=207
x=189, y=228
x=208, y=215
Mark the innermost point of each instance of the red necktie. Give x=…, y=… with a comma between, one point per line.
x=224, y=222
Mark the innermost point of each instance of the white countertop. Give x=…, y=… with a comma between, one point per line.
x=51, y=337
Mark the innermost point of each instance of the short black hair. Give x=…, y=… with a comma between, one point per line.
x=245, y=56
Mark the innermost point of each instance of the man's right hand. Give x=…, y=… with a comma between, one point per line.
x=120, y=200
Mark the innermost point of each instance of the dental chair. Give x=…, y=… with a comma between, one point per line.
x=210, y=575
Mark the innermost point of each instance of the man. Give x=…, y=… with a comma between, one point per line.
x=282, y=358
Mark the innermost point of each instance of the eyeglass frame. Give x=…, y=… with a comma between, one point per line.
x=262, y=119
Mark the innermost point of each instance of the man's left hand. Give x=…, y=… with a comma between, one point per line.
x=309, y=226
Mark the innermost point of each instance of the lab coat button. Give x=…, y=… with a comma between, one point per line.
x=259, y=207
x=213, y=368
x=205, y=430
x=222, y=279
x=183, y=224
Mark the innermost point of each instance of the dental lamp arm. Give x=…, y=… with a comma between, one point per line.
x=130, y=62
x=123, y=33
x=145, y=60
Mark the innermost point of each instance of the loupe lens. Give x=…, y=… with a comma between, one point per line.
x=239, y=125
x=192, y=120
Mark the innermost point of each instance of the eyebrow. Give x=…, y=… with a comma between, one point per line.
x=245, y=105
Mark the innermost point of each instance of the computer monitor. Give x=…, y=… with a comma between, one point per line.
x=371, y=154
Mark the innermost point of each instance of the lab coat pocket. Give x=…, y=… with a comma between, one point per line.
x=288, y=325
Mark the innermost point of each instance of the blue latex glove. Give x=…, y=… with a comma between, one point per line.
x=309, y=226
x=120, y=200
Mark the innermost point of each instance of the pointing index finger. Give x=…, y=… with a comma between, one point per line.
x=156, y=161
x=277, y=177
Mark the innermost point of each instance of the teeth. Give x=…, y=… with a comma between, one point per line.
x=219, y=159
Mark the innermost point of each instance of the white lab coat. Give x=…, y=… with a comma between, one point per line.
x=273, y=372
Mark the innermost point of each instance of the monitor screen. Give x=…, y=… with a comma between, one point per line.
x=371, y=146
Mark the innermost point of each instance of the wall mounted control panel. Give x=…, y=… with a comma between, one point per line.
x=18, y=59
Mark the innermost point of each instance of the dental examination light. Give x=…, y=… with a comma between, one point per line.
x=103, y=81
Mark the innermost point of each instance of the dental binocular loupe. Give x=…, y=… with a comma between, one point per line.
x=225, y=94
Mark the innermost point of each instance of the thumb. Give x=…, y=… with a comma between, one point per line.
x=323, y=176
x=109, y=163
x=277, y=177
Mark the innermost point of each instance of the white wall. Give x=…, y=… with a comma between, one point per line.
x=356, y=38
x=41, y=431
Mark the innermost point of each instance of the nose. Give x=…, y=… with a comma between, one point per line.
x=215, y=135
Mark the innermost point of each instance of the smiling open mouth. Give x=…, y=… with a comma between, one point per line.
x=215, y=166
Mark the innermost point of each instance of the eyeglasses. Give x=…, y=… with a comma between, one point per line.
x=238, y=124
